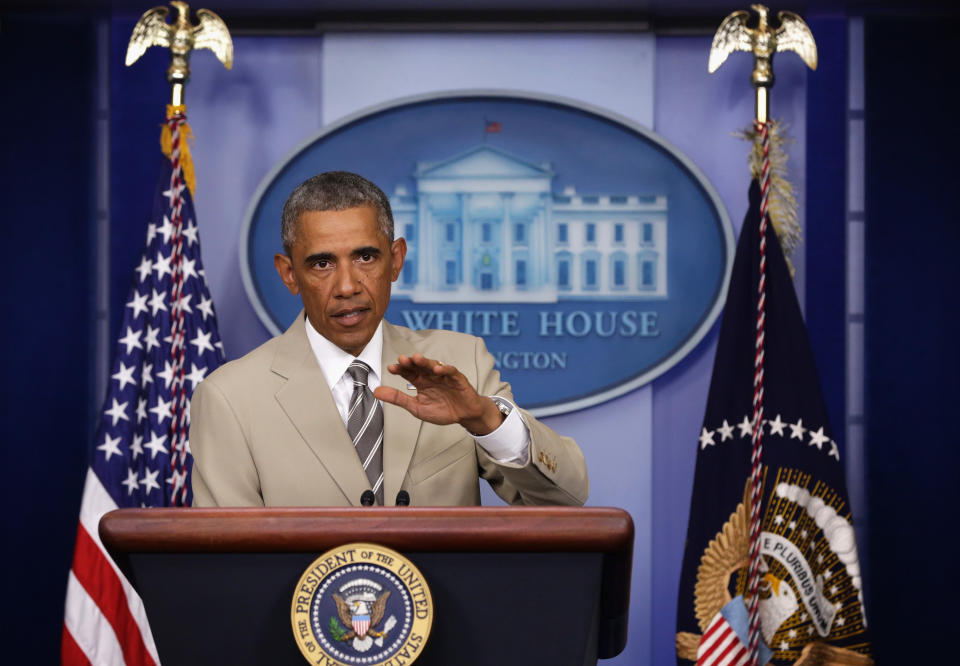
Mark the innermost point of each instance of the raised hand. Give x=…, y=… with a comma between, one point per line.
x=444, y=395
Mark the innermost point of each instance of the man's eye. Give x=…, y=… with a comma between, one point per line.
x=366, y=257
x=321, y=263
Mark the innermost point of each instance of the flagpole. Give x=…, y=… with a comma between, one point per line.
x=762, y=41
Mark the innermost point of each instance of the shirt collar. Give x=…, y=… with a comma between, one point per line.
x=333, y=361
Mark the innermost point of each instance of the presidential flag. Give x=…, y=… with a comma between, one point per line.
x=141, y=455
x=810, y=589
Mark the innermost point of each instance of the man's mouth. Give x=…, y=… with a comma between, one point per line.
x=350, y=316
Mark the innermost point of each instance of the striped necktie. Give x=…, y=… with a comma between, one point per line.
x=365, y=426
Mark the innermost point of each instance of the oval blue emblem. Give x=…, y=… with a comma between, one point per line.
x=589, y=253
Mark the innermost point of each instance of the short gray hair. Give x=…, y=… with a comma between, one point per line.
x=333, y=190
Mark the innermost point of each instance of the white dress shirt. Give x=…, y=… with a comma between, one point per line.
x=508, y=443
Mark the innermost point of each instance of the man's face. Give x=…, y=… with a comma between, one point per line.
x=342, y=266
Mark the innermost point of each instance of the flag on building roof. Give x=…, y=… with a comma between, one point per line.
x=810, y=590
x=168, y=342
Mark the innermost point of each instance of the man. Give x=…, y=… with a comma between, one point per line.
x=344, y=406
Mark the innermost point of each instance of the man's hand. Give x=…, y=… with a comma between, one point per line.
x=444, y=395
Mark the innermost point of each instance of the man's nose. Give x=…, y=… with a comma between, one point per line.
x=348, y=281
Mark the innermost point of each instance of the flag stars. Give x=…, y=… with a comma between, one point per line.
x=202, y=341
x=150, y=339
x=141, y=409
x=803, y=534
x=162, y=266
x=151, y=234
x=110, y=446
x=116, y=412
x=726, y=431
x=145, y=268
x=131, y=483
x=146, y=374
x=810, y=631
x=841, y=621
x=834, y=451
x=131, y=340
x=746, y=427
x=136, y=447
x=833, y=590
x=784, y=645
x=149, y=481
x=139, y=304
x=706, y=437
x=166, y=229
x=206, y=307
x=156, y=302
x=792, y=525
x=818, y=438
x=797, y=430
x=778, y=520
x=188, y=266
x=196, y=375
x=792, y=633
x=155, y=445
x=124, y=375
x=167, y=374
x=163, y=410
x=820, y=559
x=777, y=426
x=190, y=232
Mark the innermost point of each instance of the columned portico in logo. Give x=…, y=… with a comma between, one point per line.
x=488, y=228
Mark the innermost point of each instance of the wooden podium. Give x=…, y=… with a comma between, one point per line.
x=511, y=585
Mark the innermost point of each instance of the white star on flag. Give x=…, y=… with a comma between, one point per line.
x=777, y=426
x=145, y=268
x=131, y=482
x=706, y=438
x=167, y=230
x=726, y=431
x=161, y=265
x=202, y=341
x=189, y=269
x=149, y=480
x=167, y=374
x=196, y=375
x=797, y=429
x=146, y=374
x=163, y=410
x=156, y=302
x=139, y=304
x=117, y=411
x=150, y=339
x=136, y=447
x=818, y=438
x=124, y=375
x=131, y=340
x=155, y=445
x=110, y=446
x=190, y=232
x=746, y=427
x=206, y=307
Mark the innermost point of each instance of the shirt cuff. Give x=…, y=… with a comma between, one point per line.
x=510, y=443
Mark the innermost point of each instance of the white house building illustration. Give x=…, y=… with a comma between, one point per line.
x=486, y=226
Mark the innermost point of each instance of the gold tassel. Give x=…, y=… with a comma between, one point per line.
x=186, y=135
x=782, y=204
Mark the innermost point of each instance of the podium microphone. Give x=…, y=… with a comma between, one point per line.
x=368, y=498
x=403, y=498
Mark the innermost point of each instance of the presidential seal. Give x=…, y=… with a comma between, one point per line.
x=361, y=604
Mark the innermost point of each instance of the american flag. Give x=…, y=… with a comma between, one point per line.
x=141, y=456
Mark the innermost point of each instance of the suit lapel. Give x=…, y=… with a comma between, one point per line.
x=308, y=403
x=400, y=427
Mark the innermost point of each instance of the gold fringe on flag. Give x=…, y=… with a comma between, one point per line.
x=783, y=203
x=186, y=135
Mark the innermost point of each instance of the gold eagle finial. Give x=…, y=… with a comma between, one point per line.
x=181, y=37
x=763, y=41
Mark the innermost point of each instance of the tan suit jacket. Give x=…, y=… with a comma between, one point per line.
x=265, y=431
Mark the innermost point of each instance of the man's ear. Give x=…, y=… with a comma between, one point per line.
x=284, y=266
x=398, y=250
